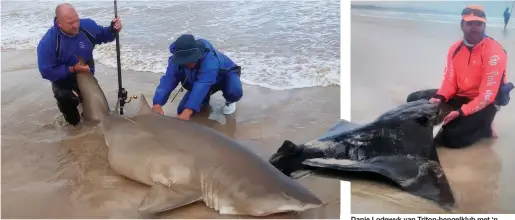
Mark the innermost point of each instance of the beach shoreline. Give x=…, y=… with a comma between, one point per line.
x=62, y=172
x=441, y=13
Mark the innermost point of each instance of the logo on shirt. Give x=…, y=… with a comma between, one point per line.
x=483, y=103
x=490, y=77
x=82, y=45
x=493, y=60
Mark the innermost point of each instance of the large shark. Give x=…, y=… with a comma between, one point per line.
x=184, y=162
x=397, y=145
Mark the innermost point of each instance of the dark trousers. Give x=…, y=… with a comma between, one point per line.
x=67, y=102
x=465, y=130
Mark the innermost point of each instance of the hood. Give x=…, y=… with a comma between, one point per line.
x=57, y=29
x=172, y=48
x=55, y=22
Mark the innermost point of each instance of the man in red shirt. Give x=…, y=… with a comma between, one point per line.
x=474, y=84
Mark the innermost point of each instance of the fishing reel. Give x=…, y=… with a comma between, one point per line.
x=131, y=98
x=122, y=96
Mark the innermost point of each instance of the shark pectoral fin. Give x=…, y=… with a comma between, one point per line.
x=162, y=198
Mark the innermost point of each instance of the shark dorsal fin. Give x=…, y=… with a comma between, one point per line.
x=143, y=107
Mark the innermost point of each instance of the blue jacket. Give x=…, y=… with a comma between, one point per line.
x=55, y=68
x=201, y=82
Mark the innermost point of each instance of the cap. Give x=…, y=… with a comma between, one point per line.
x=474, y=13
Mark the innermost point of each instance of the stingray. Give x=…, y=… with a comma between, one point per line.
x=398, y=145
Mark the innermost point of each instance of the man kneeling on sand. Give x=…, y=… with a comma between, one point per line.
x=203, y=71
x=474, y=84
x=67, y=49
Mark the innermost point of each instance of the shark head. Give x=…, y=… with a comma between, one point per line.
x=269, y=195
x=265, y=200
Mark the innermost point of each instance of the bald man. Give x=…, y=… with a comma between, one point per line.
x=66, y=50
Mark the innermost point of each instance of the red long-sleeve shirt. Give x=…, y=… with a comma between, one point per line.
x=474, y=73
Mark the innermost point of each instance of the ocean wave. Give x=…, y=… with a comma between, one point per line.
x=279, y=44
x=436, y=12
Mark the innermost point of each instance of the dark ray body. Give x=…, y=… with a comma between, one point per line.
x=398, y=145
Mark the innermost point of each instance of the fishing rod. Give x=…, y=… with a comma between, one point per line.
x=122, y=93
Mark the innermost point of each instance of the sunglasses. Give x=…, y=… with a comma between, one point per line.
x=475, y=12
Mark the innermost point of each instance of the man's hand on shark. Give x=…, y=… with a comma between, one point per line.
x=82, y=68
x=186, y=114
x=158, y=109
x=79, y=68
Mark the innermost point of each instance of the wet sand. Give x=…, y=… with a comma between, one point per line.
x=392, y=58
x=55, y=171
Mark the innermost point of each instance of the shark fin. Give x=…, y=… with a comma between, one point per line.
x=162, y=198
x=143, y=107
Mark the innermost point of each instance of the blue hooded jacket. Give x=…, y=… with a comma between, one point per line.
x=55, y=68
x=201, y=82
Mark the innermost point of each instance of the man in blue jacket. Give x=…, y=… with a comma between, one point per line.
x=203, y=71
x=66, y=50
x=506, y=17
